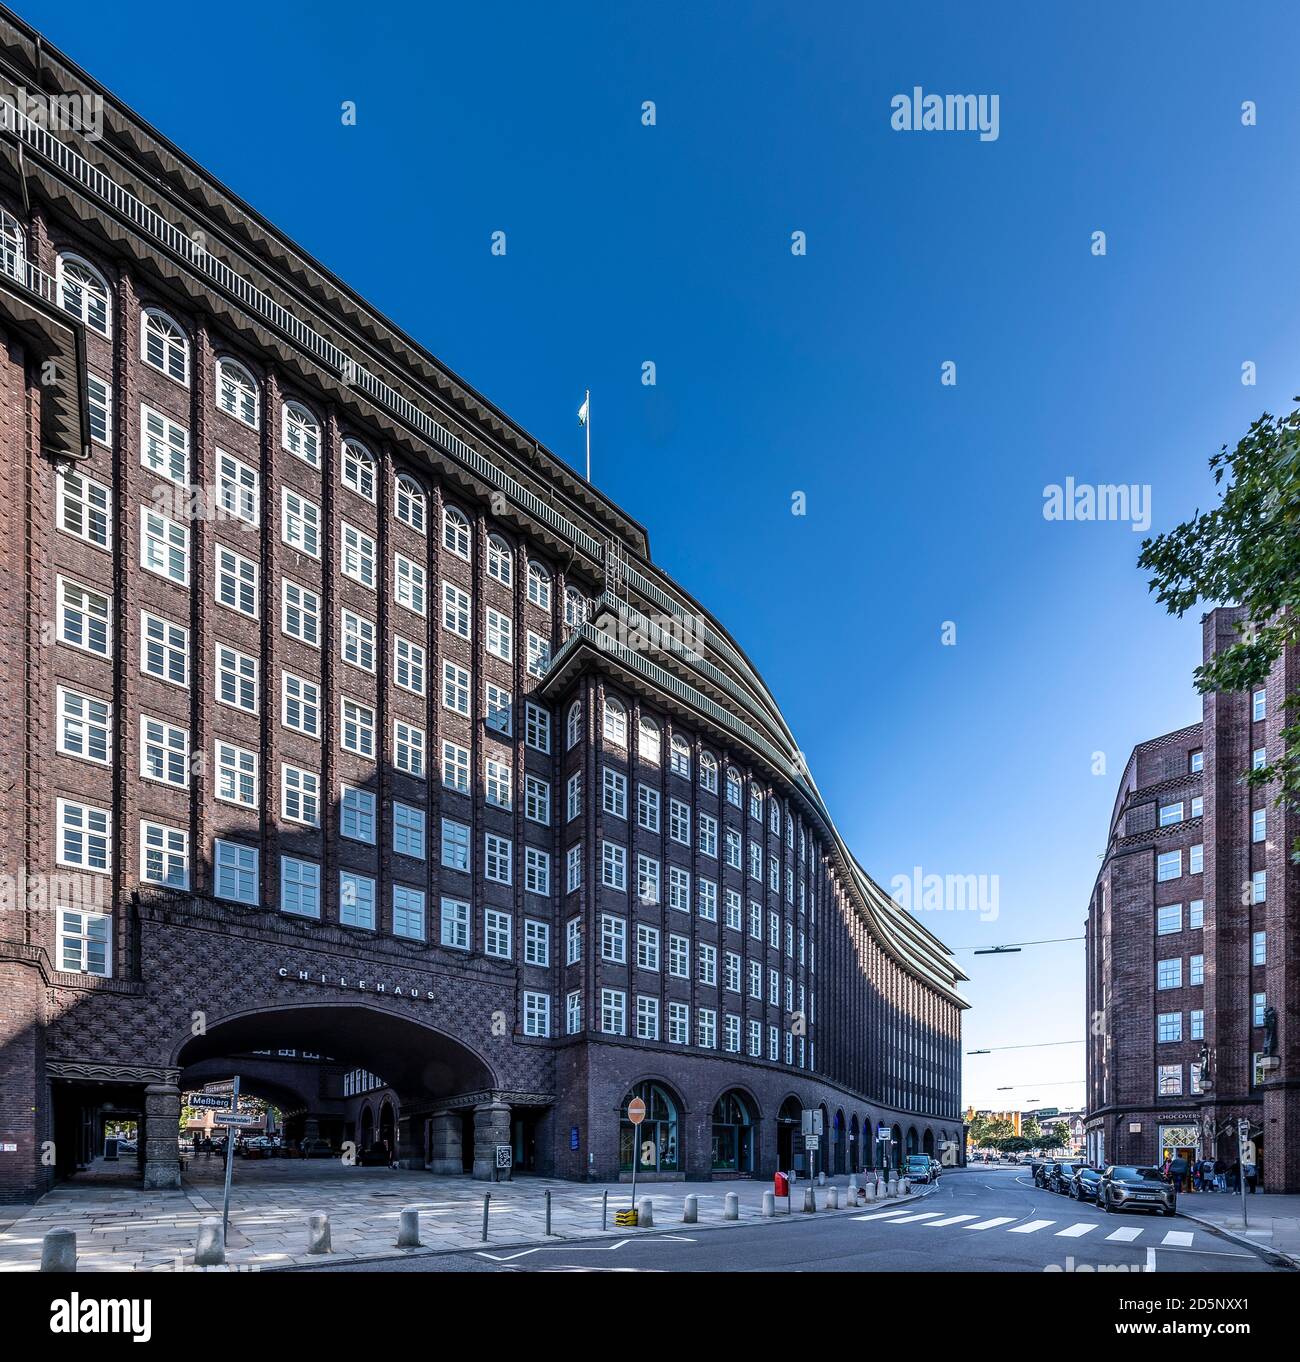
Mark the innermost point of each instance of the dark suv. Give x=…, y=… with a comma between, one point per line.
x=1085, y=1183
x=1060, y=1176
x=1126, y=1188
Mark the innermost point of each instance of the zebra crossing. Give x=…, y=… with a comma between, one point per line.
x=934, y=1220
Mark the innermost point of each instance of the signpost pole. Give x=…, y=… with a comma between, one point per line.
x=635, y=1114
x=230, y=1163
x=1243, y=1148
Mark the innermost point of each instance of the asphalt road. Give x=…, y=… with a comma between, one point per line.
x=976, y=1220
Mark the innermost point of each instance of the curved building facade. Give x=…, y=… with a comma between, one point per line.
x=361, y=748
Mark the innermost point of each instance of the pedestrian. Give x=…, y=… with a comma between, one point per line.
x=1207, y=1175
x=1221, y=1175
x=1234, y=1176
x=1178, y=1173
x=1252, y=1175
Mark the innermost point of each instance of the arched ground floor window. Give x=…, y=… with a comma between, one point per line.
x=733, y=1134
x=655, y=1140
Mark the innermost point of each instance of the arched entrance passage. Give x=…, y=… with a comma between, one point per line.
x=855, y=1145
x=895, y=1151
x=788, y=1121
x=839, y=1139
x=388, y=1127
x=913, y=1141
x=366, y=1129
x=733, y=1133
x=656, y=1142
x=927, y=1144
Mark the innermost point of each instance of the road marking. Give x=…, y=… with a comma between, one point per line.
x=1125, y=1236
x=1177, y=1239
x=922, y=1215
x=1077, y=1231
x=882, y=1215
x=549, y=1248
x=989, y=1224
x=1032, y=1226
x=948, y=1220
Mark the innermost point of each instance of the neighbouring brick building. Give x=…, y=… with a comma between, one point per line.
x=340, y=717
x=1193, y=943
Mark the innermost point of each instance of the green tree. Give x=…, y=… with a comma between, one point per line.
x=1031, y=1131
x=1245, y=551
x=1052, y=1138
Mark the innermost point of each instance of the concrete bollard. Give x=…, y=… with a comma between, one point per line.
x=769, y=1205
x=821, y=1179
x=853, y=1184
x=907, y=1187
x=833, y=1199
x=870, y=1191
x=59, y=1251
x=731, y=1207
x=318, y=1233
x=690, y=1210
x=893, y=1186
x=210, y=1249
x=645, y=1213
x=809, y=1198
x=408, y=1227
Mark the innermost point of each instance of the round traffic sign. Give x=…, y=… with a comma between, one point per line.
x=636, y=1111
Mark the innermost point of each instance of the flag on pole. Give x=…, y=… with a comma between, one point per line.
x=582, y=410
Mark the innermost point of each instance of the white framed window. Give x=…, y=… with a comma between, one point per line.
x=455, y=845
x=647, y=879
x=706, y=898
x=359, y=469
x=85, y=726
x=575, y=607
x=573, y=726
x=455, y=688
x=237, y=679
x=709, y=772
x=238, y=488
x=300, y=704
x=299, y=887
x=455, y=767
x=755, y=1039
x=164, y=445
x=498, y=859
x=1259, y=1005
x=300, y=522
x=408, y=665
x=613, y=792
x=755, y=862
x=1196, y=1024
x=679, y=889
x=500, y=707
x=165, y=547
x=573, y=941
x=1169, y=865
x=409, y=503
x=300, y=433
x=680, y=757
x=83, y=292
x=537, y=799
x=236, y=774
x=236, y=871
x=756, y=920
x=1196, y=859
x=613, y=1011
x=356, y=900
x=731, y=975
x=537, y=727
x=300, y=613
x=647, y=808
x=1169, y=1079
x=299, y=796
x=85, y=508
x=755, y=802
x=679, y=1024
x=1259, y=759
x=647, y=946
x=408, y=912
x=707, y=964
x=1258, y=825
x=409, y=830
x=649, y=742
x=679, y=956
x=573, y=861
x=165, y=650
x=164, y=855
x=1169, y=1027
x=497, y=782
x=164, y=346
x=1169, y=973
x=408, y=748
x=357, y=814
x=647, y=1017
x=164, y=752
x=615, y=726
x=755, y=980
x=537, y=1014
x=237, y=392
x=99, y=409
x=537, y=943
x=454, y=924
x=539, y=585
x=500, y=560
x=455, y=532
x=735, y=911
x=84, y=943
x=1196, y=913
x=733, y=849
x=358, y=728
x=500, y=635
x=236, y=582
x=613, y=867
x=1195, y=969
x=1259, y=948
x=455, y=610
x=731, y=1034
x=613, y=938
x=1259, y=705
x=409, y=578
x=539, y=654
x=708, y=836
x=496, y=934
x=358, y=555
x=733, y=786
x=85, y=836
x=1170, y=814
x=706, y=1028
x=1259, y=886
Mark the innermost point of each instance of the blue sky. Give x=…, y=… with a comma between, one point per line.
x=821, y=373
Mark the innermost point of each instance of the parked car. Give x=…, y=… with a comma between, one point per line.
x=1084, y=1183
x=916, y=1168
x=257, y=1147
x=316, y=1149
x=1126, y=1188
x=1061, y=1177
x=1039, y=1173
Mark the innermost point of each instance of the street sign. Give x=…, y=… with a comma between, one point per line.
x=573, y=1137
x=882, y=1132
x=636, y=1111
x=812, y=1122
x=812, y=1141
x=235, y=1118
x=505, y=1154
x=201, y=1099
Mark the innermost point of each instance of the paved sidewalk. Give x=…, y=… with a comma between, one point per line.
x=1272, y=1218
x=132, y=1230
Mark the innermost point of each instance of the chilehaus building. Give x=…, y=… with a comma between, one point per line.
x=1192, y=943
x=354, y=744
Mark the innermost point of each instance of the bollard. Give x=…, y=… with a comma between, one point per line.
x=907, y=1187
x=690, y=1210
x=645, y=1212
x=769, y=1205
x=318, y=1233
x=604, y=1210
x=210, y=1249
x=487, y=1197
x=821, y=1179
x=548, y=1210
x=893, y=1186
x=833, y=1199
x=870, y=1191
x=408, y=1227
x=59, y=1251
x=809, y=1198
x=731, y=1207
x=853, y=1186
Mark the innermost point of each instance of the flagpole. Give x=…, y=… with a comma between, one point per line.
x=587, y=423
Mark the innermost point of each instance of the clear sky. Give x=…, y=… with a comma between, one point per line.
x=820, y=373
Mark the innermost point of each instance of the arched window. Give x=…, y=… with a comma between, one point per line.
x=615, y=728
x=654, y=1141
x=455, y=532
x=648, y=741
x=301, y=433
x=709, y=772
x=83, y=292
x=733, y=1134
x=573, y=727
x=575, y=607
x=680, y=761
x=410, y=502
x=501, y=561
x=755, y=801
x=164, y=346
x=539, y=585
x=733, y=786
x=359, y=469
x=12, y=248
x=774, y=822
x=237, y=393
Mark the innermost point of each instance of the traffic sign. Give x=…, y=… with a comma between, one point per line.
x=813, y=1122
x=636, y=1111
x=235, y=1118
x=812, y=1141
x=201, y=1099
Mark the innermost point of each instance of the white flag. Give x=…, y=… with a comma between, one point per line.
x=582, y=411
